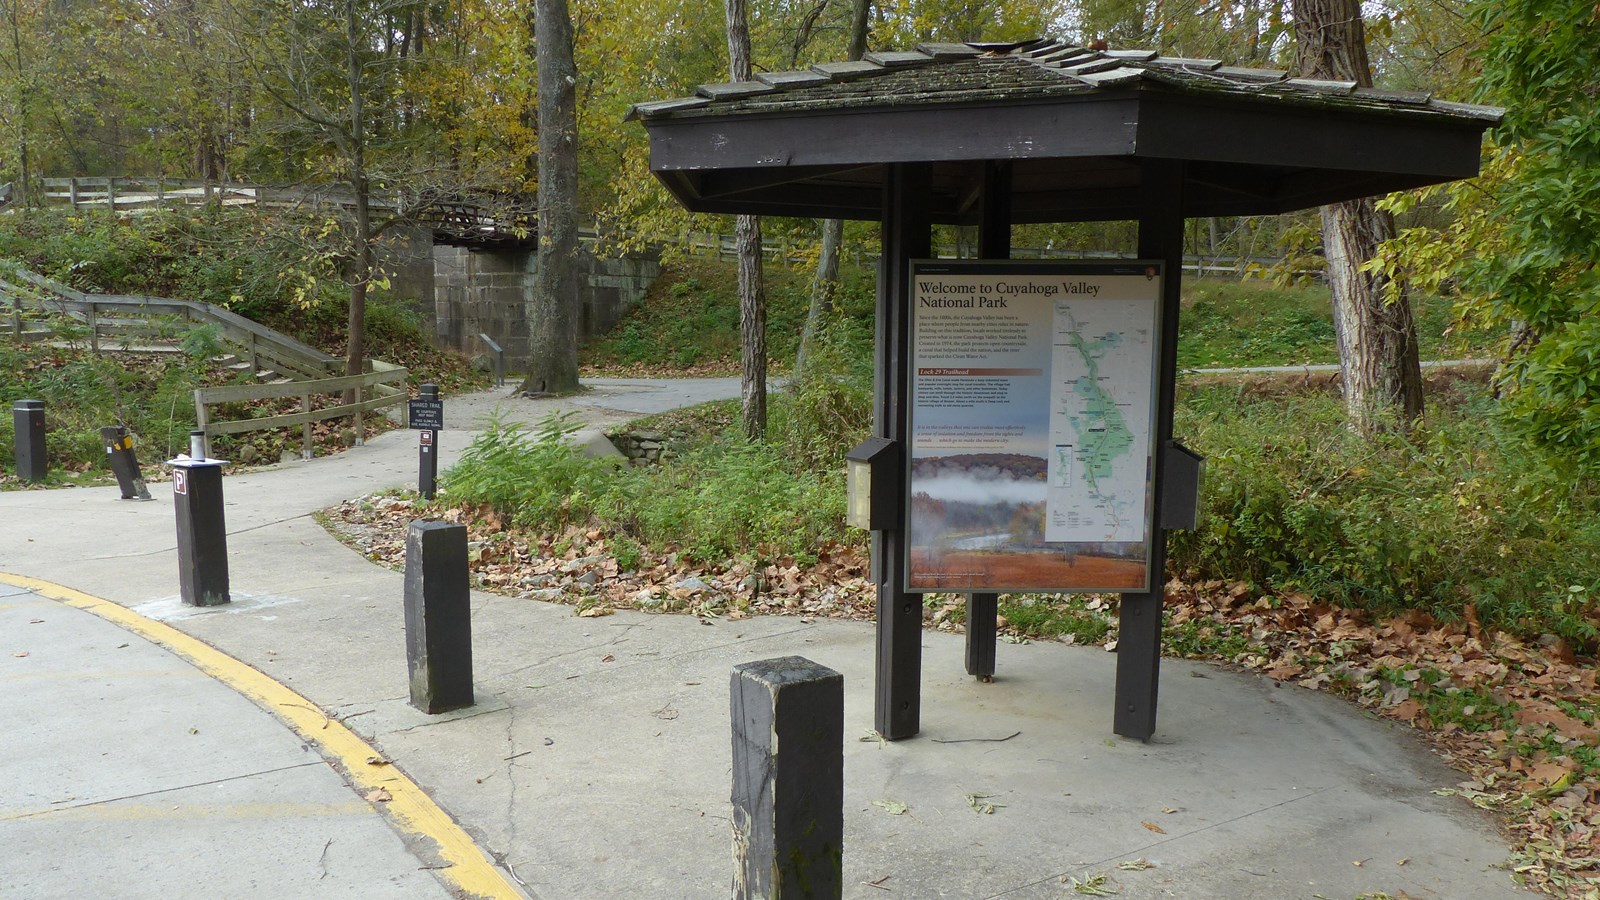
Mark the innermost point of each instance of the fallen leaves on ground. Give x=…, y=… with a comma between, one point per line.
x=1094, y=884
x=980, y=804
x=1517, y=715
x=378, y=795
x=1136, y=865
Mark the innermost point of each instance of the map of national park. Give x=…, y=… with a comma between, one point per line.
x=1100, y=402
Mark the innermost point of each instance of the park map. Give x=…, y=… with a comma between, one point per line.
x=1099, y=421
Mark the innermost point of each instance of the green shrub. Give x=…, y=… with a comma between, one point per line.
x=722, y=498
x=827, y=410
x=729, y=499
x=536, y=480
x=202, y=342
x=1293, y=499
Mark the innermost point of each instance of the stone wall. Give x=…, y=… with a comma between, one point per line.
x=489, y=292
x=641, y=448
x=406, y=257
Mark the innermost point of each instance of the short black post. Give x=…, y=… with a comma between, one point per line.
x=428, y=450
x=983, y=612
x=788, y=780
x=33, y=463
x=124, y=464
x=438, y=617
x=202, y=533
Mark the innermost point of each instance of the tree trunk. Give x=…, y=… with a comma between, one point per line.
x=827, y=281
x=822, y=291
x=22, y=99
x=356, y=348
x=1377, y=339
x=752, y=329
x=553, y=338
x=747, y=235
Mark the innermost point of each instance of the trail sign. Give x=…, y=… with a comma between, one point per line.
x=426, y=413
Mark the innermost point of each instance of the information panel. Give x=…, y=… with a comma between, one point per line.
x=428, y=414
x=1033, y=395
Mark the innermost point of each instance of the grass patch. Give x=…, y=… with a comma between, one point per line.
x=1228, y=323
x=1054, y=616
x=690, y=319
x=721, y=498
x=689, y=322
x=83, y=392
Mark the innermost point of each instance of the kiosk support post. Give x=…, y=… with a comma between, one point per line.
x=1139, y=619
x=907, y=235
x=994, y=242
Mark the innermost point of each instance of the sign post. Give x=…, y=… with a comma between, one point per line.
x=426, y=416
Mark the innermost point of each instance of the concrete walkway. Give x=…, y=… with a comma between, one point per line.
x=130, y=772
x=597, y=762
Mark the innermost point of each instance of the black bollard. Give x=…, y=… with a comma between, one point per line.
x=202, y=533
x=119, y=453
x=438, y=617
x=788, y=780
x=33, y=463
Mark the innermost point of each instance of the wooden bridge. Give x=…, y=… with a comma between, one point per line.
x=501, y=221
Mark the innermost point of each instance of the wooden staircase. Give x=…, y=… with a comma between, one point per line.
x=137, y=323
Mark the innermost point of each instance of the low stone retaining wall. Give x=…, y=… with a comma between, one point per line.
x=642, y=448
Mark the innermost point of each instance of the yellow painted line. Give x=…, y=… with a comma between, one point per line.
x=468, y=868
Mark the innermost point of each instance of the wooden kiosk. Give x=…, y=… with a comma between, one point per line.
x=1041, y=131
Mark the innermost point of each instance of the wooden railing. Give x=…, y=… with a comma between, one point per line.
x=485, y=221
x=133, y=316
x=312, y=373
x=137, y=193
x=371, y=392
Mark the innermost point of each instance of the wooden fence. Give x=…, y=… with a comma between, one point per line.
x=372, y=391
x=303, y=371
x=137, y=193
x=130, y=318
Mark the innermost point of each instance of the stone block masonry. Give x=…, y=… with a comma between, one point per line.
x=490, y=291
